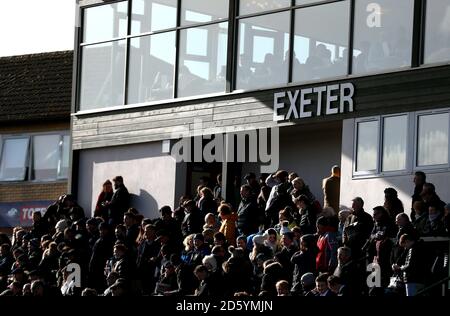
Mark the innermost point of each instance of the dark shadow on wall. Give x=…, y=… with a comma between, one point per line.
x=145, y=203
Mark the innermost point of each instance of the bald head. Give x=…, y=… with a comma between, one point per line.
x=336, y=171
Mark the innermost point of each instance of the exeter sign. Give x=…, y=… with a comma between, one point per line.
x=315, y=101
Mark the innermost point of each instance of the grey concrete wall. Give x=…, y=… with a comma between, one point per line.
x=372, y=189
x=310, y=151
x=148, y=174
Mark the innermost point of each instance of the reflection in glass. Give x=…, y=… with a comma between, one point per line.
x=198, y=11
x=320, y=49
x=367, y=146
x=151, y=15
x=14, y=159
x=102, y=75
x=203, y=59
x=45, y=157
x=395, y=130
x=151, y=68
x=63, y=165
x=301, y=2
x=105, y=22
x=382, y=35
x=433, y=139
x=263, y=51
x=252, y=6
x=437, y=34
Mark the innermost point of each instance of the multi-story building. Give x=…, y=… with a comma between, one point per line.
x=358, y=83
x=35, y=96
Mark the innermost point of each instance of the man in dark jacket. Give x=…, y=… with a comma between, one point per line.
x=358, y=228
x=169, y=224
x=279, y=197
x=285, y=255
x=414, y=269
x=120, y=201
x=419, y=180
x=248, y=217
x=193, y=221
x=101, y=252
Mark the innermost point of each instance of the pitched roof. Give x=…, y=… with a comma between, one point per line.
x=36, y=87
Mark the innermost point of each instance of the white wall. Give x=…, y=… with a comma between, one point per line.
x=372, y=190
x=310, y=151
x=148, y=174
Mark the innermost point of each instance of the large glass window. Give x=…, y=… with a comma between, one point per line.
x=367, y=146
x=203, y=58
x=432, y=139
x=252, y=6
x=395, y=129
x=46, y=154
x=321, y=49
x=199, y=11
x=14, y=159
x=102, y=75
x=151, y=68
x=437, y=34
x=263, y=47
x=153, y=15
x=105, y=22
x=35, y=157
x=382, y=35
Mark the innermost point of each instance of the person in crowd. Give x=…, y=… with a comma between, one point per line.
x=414, y=268
x=434, y=226
x=392, y=203
x=252, y=182
x=228, y=219
x=248, y=212
x=358, y=228
x=273, y=273
x=103, y=198
x=421, y=216
x=206, y=203
x=271, y=240
x=322, y=288
x=193, y=220
x=279, y=196
x=237, y=272
x=430, y=197
x=286, y=220
x=40, y=226
x=349, y=272
x=306, y=216
x=284, y=256
x=120, y=202
x=211, y=222
x=331, y=189
x=283, y=288
x=336, y=285
x=419, y=180
x=304, y=261
x=326, y=259
x=342, y=216
x=169, y=224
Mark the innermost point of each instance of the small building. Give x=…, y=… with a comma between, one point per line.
x=358, y=83
x=35, y=98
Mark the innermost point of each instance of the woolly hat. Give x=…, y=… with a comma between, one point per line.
x=211, y=262
x=61, y=225
x=258, y=239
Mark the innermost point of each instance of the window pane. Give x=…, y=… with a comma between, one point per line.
x=321, y=49
x=382, y=35
x=105, y=22
x=252, y=6
x=433, y=139
x=395, y=130
x=102, y=75
x=367, y=146
x=203, y=58
x=198, y=11
x=437, y=34
x=263, y=44
x=64, y=145
x=300, y=2
x=14, y=159
x=45, y=157
x=151, y=68
x=151, y=15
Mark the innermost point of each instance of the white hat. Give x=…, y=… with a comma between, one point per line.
x=61, y=225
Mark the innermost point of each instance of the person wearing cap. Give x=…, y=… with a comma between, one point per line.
x=120, y=202
x=331, y=187
x=279, y=196
x=358, y=228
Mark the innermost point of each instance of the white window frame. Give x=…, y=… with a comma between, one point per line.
x=440, y=167
x=355, y=147
x=3, y=139
x=30, y=155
